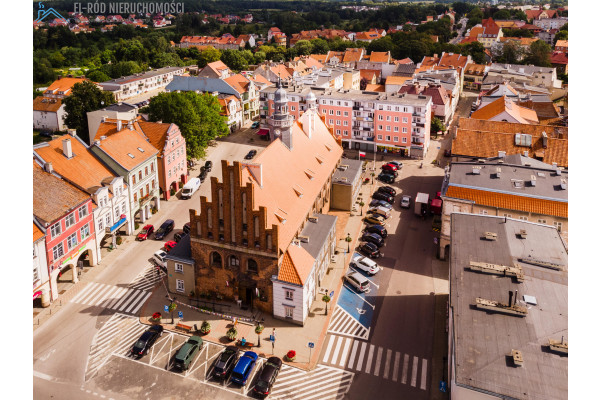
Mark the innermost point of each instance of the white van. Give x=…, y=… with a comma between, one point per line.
x=384, y=212
x=159, y=259
x=190, y=188
x=359, y=282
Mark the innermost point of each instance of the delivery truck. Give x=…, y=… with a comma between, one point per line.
x=190, y=188
x=421, y=203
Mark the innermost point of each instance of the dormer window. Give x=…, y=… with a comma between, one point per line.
x=140, y=149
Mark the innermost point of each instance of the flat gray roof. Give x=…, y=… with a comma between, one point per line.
x=317, y=233
x=120, y=107
x=143, y=75
x=483, y=340
x=515, y=178
x=351, y=173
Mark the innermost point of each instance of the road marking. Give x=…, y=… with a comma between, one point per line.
x=43, y=376
x=356, y=294
x=98, y=294
x=413, y=379
x=405, y=369
x=388, y=362
x=116, y=298
x=361, y=356
x=353, y=353
x=345, y=324
x=345, y=352
x=144, y=296
x=369, y=359
x=329, y=345
x=135, y=310
x=360, y=272
x=107, y=295
x=378, y=362
x=424, y=375
x=85, y=292
x=126, y=297
x=337, y=349
x=396, y=365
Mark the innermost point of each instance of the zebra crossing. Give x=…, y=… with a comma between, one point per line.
x=360, y=356
x=116, y=336
x=148, y=278
x=125, y=300
x=322, y=383
x=342, y=323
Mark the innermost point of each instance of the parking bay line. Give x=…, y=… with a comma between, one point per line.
x=365, y=300
x=370, y=280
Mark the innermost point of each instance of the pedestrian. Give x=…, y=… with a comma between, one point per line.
x=243, y=341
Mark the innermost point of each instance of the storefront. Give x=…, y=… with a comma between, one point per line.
x=399, y=151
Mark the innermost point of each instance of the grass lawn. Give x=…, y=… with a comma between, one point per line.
x=37, y=138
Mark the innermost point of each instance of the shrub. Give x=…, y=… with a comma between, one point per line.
x=205, y=328
x=119, y=240
x=291, y=355
x=232, y=333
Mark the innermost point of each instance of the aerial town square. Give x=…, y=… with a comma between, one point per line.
x=304, y=200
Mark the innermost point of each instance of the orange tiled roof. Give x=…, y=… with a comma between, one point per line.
x=156, y=133
x=562, y=43
x=371, y=87
x=429, y=61
x=353, y=55
x=261, y=79
x=474, y=69
x=503, y=104
x=217, y=66
x=287, y=270
x=370, y=74
x=296, y=265
x=522, y=41
x=239, y=82
x=510, y=201
x=119, y=145
x=453, y=60
x=404, y=61
x=63, y=85
x=83, y=169
x=322, y=58
x=380, y=56
x=37, y=233
x=476, y=31
x=397, y=80
x=46, y=104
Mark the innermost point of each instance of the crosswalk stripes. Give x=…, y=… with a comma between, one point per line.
x=148, y=278
x=322, y=383
x=343, y=352
x=124, y=300
x=342, y=323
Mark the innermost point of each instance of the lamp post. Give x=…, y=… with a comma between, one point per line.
x=348, y=239
x=326, y=299
x=259, y=328
x=172, y=307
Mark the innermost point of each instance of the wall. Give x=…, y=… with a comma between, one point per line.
x=172, y=166
x=279, y=301
x=187, y=276
x=51, y=121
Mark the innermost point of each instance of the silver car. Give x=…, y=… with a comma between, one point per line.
x=405, y=202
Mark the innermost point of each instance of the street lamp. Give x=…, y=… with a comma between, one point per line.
x=172, y=307
x=259, y=328
x=348, y=239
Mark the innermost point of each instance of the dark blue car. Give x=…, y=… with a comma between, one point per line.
x=243, y=368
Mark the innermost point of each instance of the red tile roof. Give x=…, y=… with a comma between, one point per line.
x=37, y=233
x=46, y=104
x=63, y=85
x=120, y=145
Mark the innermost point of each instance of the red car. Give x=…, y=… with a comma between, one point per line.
x=145, y=232
x=389, y=167
x=170, y=245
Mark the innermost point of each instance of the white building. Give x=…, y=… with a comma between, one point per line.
x=134, y=85
x=49, y=114
x=41, y=281
x=117, y=111
x=551, y=23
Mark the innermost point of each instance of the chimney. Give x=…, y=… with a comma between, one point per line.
x=526, y=153
x=67, y=151
x=501, y=154
x=544, y=140
x=72, y=132
x=97, y=143
x=510, y=297
x=104, y=118
x=119, y=125
x=48, y=167
x=130, y=125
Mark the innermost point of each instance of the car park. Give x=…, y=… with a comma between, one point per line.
x=250, y=155
x=365, y=264
x=373, y=238
x=178, y=235
x=378, y=229
x=225, y=362
x=383, y=196
x=358, y=281
x=370, y=250
x=170, y=245
x=187, y=352
x=386, y=178
x=145, y=342
x=374, y=219
x=397, y=164
x=387, y=189
x=267, y=376
x=145, y=232
x=208, y=165
x=243, y=368
x=159, y=259
x=164, y=229
x=405, y=202
x=380, y=203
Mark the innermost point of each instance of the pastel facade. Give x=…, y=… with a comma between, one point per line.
x=133, y=85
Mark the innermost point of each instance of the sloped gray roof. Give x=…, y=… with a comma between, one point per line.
x=202, y=84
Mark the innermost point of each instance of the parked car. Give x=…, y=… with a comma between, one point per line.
x=405, y=202
x=159, y=259
x=378, y=229
x=170, y=245
x=359, y=282
x=243, y=368
x=389, y=167
x=387, y=189
x=208, y=165
x=203, y=175
x=386, y=178
x=187, y=352
x=225, y=362
x=145, y=232
x=164, y=229
x=255, y=124
x=373, y=238
x=250, y=155
x=187, y=227
x=447, y=153
x=382, y=212
x=369, y=250
x=398, y=164
x=383, y=196
x=267, y=376
x=380, y=203
x=374, y=219
x=178, y=235
x=365, y=264
x=146, y=341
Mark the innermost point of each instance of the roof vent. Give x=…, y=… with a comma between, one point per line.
x=517, y=357
x=498, y=171
x=140, y=149
x=303, y=239
x=481, y=161
x=526, y=154
x=544, y=140
x=102, y=137
x=523, y=234
x=501, y=154
x=313, y=219
x=490, y=236
x=476, y=171
x=130, y=155
x=48, y=167
x=532, y=182
x=563, y=184
x=558, y=172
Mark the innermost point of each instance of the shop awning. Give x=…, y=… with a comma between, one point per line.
x=118, y=224
x=262, y=132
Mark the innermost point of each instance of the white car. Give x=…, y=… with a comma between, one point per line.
x=365, y=264
x=159, y=259
x=405, y=202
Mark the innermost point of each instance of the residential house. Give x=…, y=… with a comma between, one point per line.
x=475, y=138
x=249, y=39
x=273, y=72
x=134, y=85
x=441, y=101
x=215, y=69
x=369, y=36
x=540, y=14
x=124, y=150
x=180, y=267
x=65, y=212
x=48, y=110
x=247, y=239
x=491, y=33
x=447, y=78
x=225, y=42
x=551, y=23
x=457, y=62
x=562, y=46
x=117, y=111
x=41, y=280
x=548, y=36
x=231, y=109
x=529, y=73
x=276, y=36
x=491, y=365
x=473, y=76
x=504, y=109
x=345, y=184
x=380, y=61
x=375, y=88
x=248, y=94
x=329, y=34
x=370, y=76
x=560, y=61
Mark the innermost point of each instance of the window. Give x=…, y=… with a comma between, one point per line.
x=395, y=129
x=179, y=268
x=289, y=294
x=169, y=173
x=135, y=197
x=152, y=167
x=345, y=123
x=140, y=175
x=85, y=231
x=234, y=261
x=403, y=140
x=388, y=118
x=330, y=112
x=388, y=138
x=133, y=179
x=380, y=127
x=35, y=274
x=147, y=188
x=293, y=108
x=337, y=131
x=123, y=209
x=483, y=212
x=153, y=186
x=507, y=215
x=215, y=259
x=179, y=285
x=345, y=132
x=55, y=230
x=330, y=122
x=558, y=226
x=58, y=251
x=388, y=128
x=252, y=266
x=395, y=139
x=107, y=219
x=83, y=212
x=404, y=119
x=72, y=240
x=379, y=137
x=541, y=221
x=70, y=220
x=100, y=224
x=345, y=113
x=381, y=117
x=338, y=113
x=289, y=312
x=523, y=218
x=404, y=130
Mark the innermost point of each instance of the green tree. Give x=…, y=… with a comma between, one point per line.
x=461, y=8
x=42, y=71
x=209, y=55
x=160, y=60
x=319, y=46
x=303, y=47
x=539, y=54
x=511, y=53
x=501, y=14
x=131, y=50
x=85, y=97
x=561, y=35
x=197, y=116
x=437, y=126
x=234, y=60
x=97, y=76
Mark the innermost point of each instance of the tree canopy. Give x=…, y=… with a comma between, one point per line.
x=85, y=97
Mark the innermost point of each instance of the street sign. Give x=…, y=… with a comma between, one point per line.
x=272, y=338
x=311, y=345
x=331, y=294
x=166, y=308
x=442, y=386
x=180, y=314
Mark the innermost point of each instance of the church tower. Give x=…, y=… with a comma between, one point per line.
x=280, y=123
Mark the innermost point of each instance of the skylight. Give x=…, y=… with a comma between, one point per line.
x=130, y=155
x=140, y=149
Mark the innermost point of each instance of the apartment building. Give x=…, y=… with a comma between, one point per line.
x=134, y=85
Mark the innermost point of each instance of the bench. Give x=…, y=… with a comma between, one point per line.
x=248, y=344
x=183, y=327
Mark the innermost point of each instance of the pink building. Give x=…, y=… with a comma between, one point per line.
x=66, y=213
